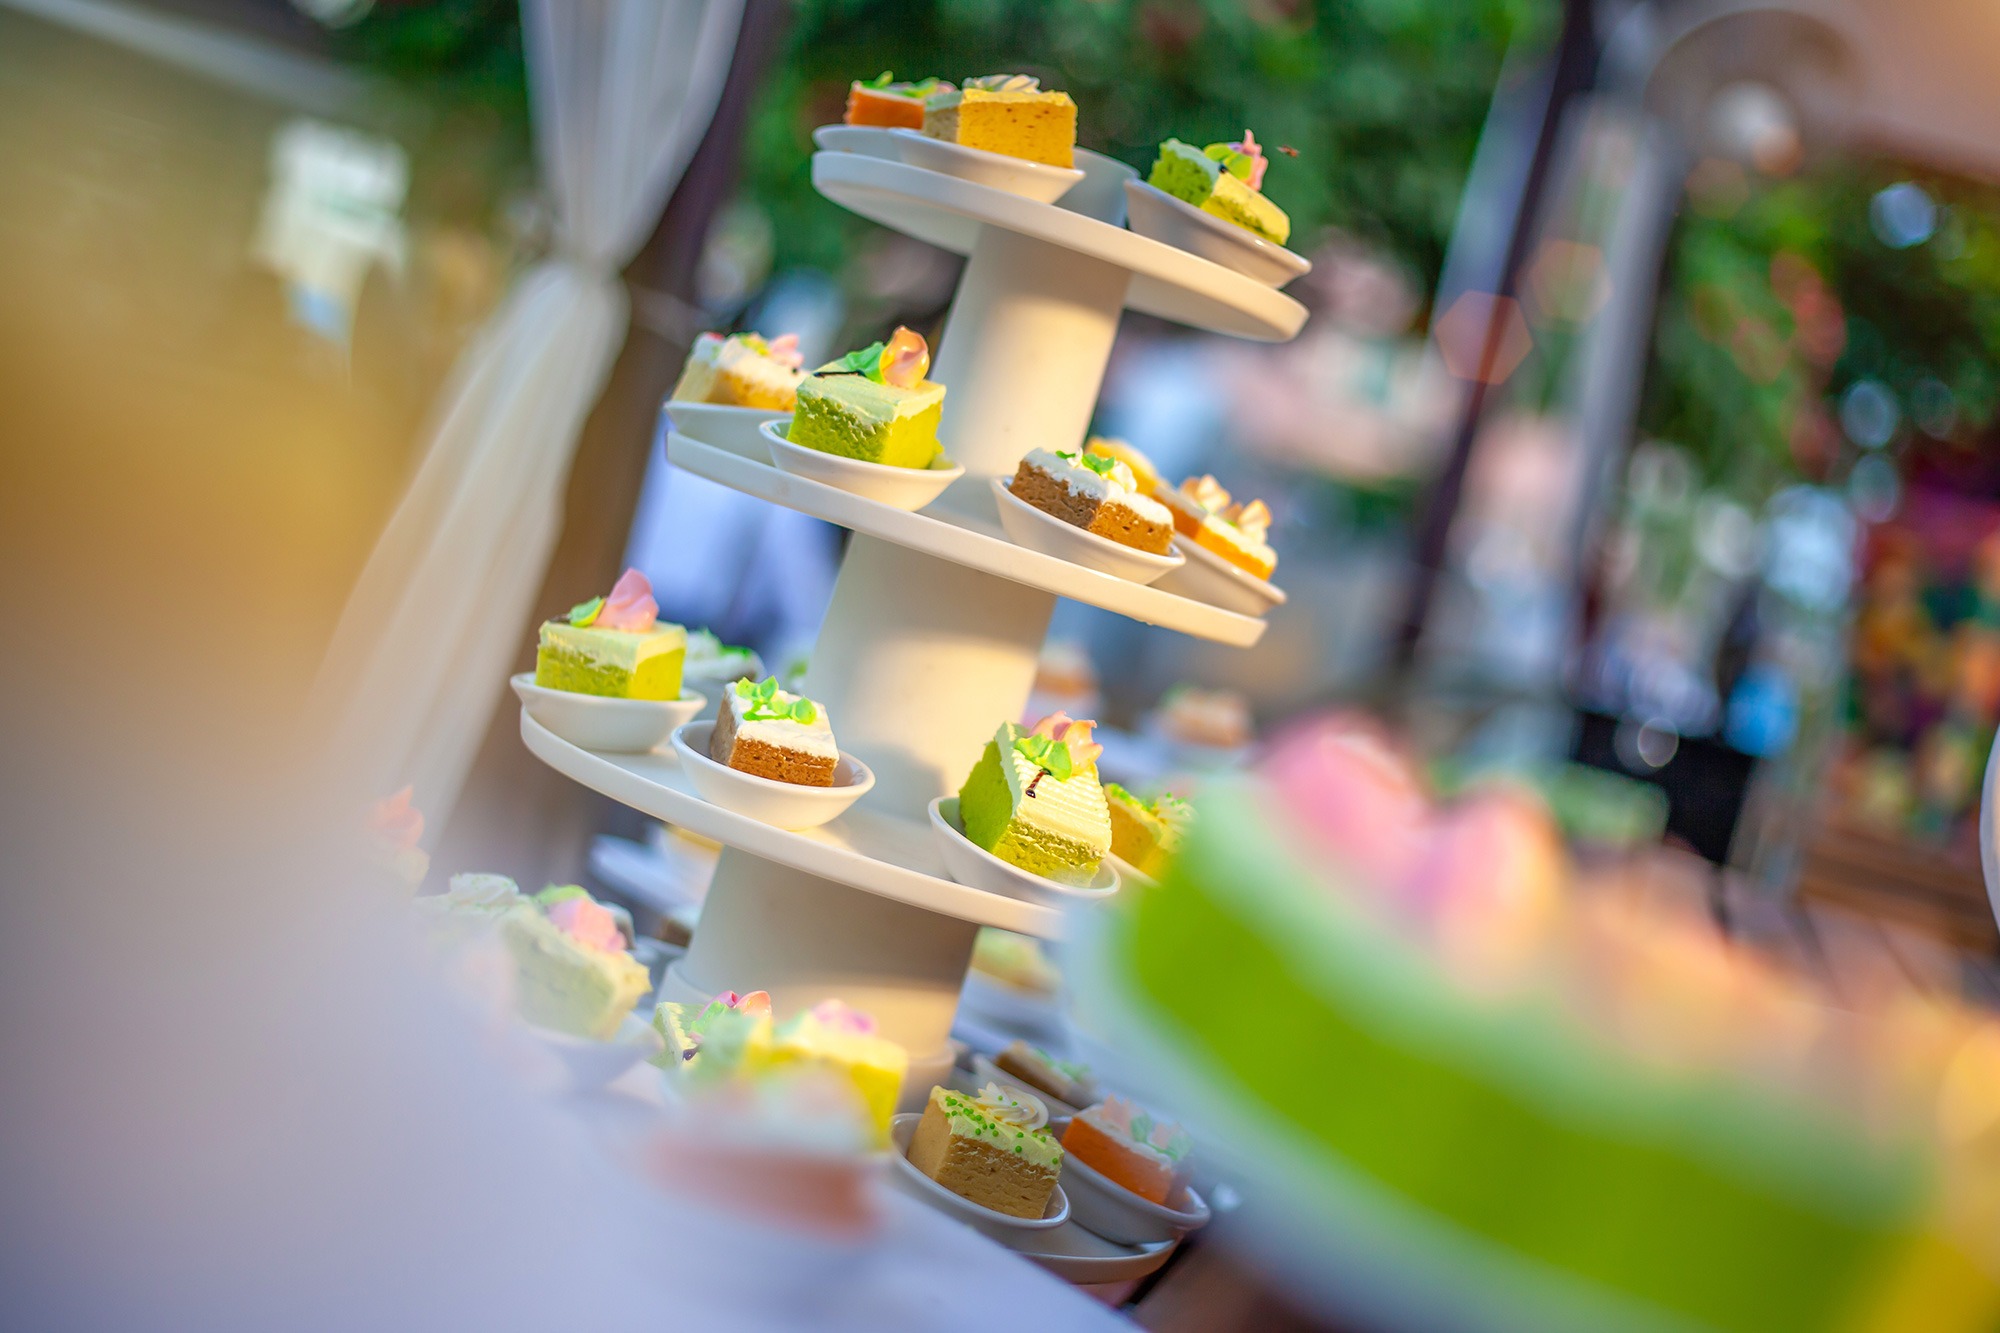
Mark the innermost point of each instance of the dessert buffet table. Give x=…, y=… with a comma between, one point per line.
x=936, y=618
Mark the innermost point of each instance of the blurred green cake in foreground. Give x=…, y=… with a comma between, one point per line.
x=1567, y=1124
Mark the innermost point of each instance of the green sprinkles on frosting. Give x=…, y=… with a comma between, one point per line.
x=764, y=705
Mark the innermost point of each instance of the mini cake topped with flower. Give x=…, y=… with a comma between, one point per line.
x=883, y=101
x=1034, y=800
x=1205, y=512
x=874, y=405
x=742, y=370
x=614, y=646
x=1226, y=179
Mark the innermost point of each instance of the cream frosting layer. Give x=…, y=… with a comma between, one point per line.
x=814, y=737
x=969, y=1119
x=624, y=649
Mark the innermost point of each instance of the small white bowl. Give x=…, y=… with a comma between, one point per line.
x=1101, y=192
x=1044, y=532
x=1104, y=1206
x=998, y=171
x=785, y=805
x=591, y=1063
x=1003, y=1227
x=1207, y=577
x=1157, y=215
x=730, y=428
x=976, y=868
x=598, y=722
x=865, y=140
x=898, y=487
x=984, y=1071
x=1131, y=874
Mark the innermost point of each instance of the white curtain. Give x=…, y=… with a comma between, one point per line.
x=621, y=93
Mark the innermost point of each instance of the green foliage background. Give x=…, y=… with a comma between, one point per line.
x=1730, y=379
x=1383, y=99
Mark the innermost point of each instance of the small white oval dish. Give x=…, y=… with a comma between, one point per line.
x=997, y=171
x=1101, y=192
x=867, y=140
x=723, y=427
x=1003, y=1227
x=976, y=868
x=599, y=722
x=1130, y=874
x=785, y=805
x=591, y=1063
x=1207, y=577
x=1102, y=1205
x=1028, y=526
x=1158, y=216
x=908, y=488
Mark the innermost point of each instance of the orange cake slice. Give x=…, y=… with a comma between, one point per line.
x=1203, y=511
x=879, y=101
x=1128, y=1147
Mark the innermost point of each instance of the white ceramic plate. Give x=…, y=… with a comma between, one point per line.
x=597, y=722
x=899, y=487
x=591, y=1063
x=1038, y=531
x=976, y=868
x=998, y=171
x=1158, y=216
x=867, y=140
x=1101, y=192
x=1003, y=1227
x=1207, y=577
x=785, y=805
x=731, y=428
x=1087, y=1259
x=1116, y=1213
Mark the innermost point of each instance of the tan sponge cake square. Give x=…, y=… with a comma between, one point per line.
x=978, y=1156
x=1006, y=113
x=1095, y=493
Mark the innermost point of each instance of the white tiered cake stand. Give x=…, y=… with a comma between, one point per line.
x=937, y=618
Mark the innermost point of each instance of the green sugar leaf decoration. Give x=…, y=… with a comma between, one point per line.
x=1052, y=757
x=585, y=613
x=1099, y=464
x=880, y=81
x=867, y=361
x=1236, y=163
x=765, y=706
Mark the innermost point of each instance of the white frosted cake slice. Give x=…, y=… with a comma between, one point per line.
x=1097, y=493
x=773, y=733
x=742, y=370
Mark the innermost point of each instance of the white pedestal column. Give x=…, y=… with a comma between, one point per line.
x=806, y=939
x=1023, y=355
x=918, y=662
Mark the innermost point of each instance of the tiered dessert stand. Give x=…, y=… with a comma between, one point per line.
x=937, y=618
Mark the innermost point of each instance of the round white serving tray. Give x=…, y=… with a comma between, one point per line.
x=947, y=212
x=893, y=858
x=968, y=538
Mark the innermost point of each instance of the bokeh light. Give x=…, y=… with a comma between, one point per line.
x=1483, y=337
x=1869, y=414
x=1903, y=215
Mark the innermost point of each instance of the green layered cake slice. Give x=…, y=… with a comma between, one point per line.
x=874, y=405
x=613, y=646
x=1034, y=801
x=1208, y=179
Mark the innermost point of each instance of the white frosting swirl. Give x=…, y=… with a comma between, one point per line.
x=1013, y=1106
x=1005, y=83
